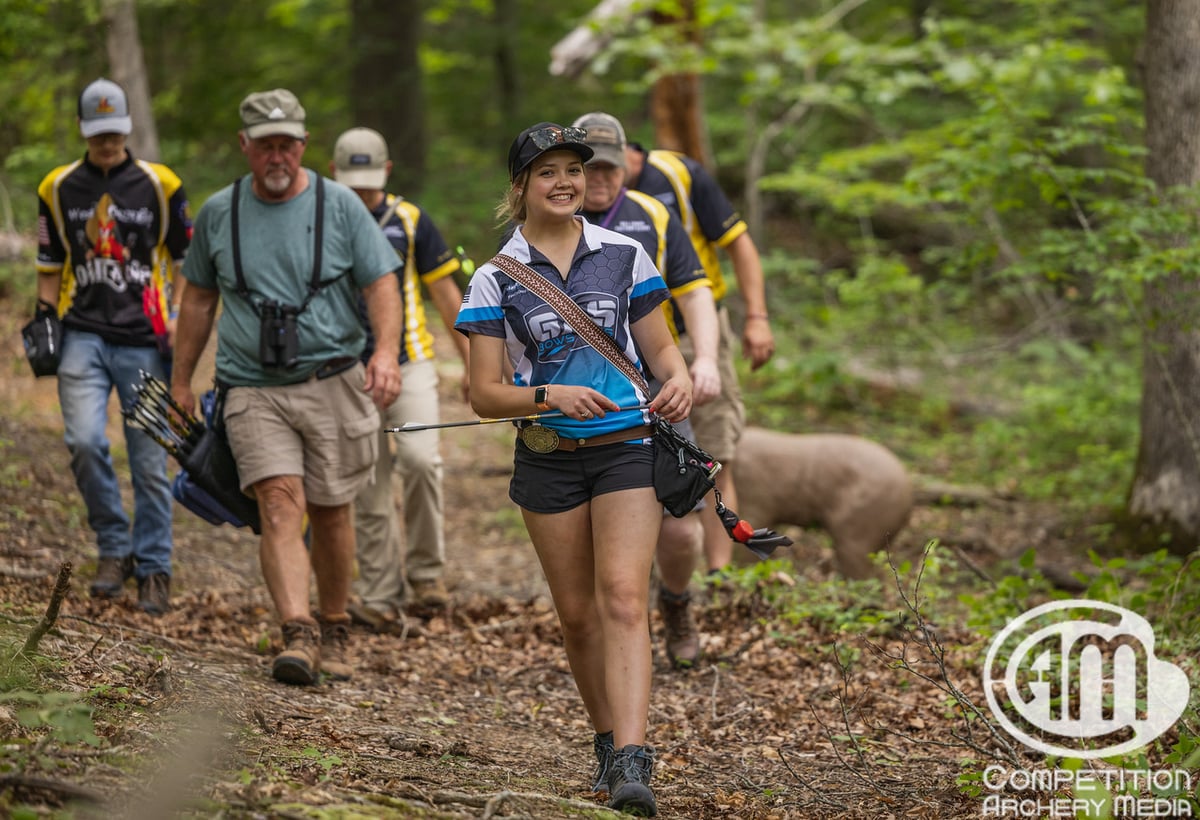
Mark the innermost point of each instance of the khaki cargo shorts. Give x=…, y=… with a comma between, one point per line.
x=718, y=425
x=324, y=430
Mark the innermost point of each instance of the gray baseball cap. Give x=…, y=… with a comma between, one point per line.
x=270, y=113
x=360, y=158
x=103, y=109
x=605, y=137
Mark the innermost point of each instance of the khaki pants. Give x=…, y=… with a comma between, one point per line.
x=414, y=460
x=718, y=425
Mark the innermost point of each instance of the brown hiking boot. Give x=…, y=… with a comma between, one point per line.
x=300, y=661
x=682, y=637
x=382, y=618
x=111, y=575
x=335, y=635
x=154, y=593
x=430, y=594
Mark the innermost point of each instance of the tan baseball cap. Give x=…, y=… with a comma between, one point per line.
x=605, y=137
x=360, y=159
x=270, y=113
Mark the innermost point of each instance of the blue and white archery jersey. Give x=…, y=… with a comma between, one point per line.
x=615, y=283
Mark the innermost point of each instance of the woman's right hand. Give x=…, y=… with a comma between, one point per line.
x=674, y=400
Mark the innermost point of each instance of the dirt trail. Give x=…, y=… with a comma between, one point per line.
x=472, y=714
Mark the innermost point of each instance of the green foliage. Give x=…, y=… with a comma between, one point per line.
x=44, y=714
x=50, y=50
x=1044, y=418
x=326, y=762
x=62, y=714
x=838, y=606
x=1162, y=587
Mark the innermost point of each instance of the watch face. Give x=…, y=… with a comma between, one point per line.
x=539, y=395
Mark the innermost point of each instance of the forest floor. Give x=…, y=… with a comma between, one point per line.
x=472, y=713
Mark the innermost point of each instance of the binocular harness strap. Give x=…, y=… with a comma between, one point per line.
x=315, y=284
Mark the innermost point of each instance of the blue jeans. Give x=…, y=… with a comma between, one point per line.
x=90, y=369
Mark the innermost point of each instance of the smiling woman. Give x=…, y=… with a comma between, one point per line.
x=583, y=480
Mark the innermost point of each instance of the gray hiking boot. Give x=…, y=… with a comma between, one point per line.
x=300, y=661
x=111, y=575
x=602, y=744
x=682, y=637
x=629, y=781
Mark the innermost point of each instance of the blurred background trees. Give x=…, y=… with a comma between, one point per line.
x=952, y=196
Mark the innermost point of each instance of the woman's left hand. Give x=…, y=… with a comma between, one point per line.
x=674, y=400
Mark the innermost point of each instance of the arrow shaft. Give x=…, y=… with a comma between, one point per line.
x=414, y=428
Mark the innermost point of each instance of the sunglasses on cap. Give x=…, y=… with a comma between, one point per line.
x=553, y=135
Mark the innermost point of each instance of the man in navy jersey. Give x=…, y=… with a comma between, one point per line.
x=361, y=161
x=684, y=186
x=691, y=313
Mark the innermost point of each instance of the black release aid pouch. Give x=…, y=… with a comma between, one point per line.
x=43, y=341
x=683, y=473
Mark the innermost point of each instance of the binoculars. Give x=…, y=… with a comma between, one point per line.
x=278, y=341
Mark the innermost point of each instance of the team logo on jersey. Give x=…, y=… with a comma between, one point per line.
x=554, y=338
x=103, y=233
x=108, y=258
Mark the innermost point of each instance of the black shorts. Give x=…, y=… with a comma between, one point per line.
x=560, y=481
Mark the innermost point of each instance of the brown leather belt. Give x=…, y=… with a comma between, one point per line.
x=545, y=440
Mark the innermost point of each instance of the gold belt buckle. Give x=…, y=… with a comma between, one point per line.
x=539, y=438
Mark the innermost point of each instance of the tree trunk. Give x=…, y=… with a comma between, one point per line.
x=676, y=101
x=124, y=46
x=675, y=107
x=386, y=86
x=506, y=21
x=1166, y=487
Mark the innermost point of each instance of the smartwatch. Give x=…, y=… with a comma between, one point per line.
x=541, y=397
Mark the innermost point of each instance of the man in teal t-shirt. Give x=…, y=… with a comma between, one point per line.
x=286, y=252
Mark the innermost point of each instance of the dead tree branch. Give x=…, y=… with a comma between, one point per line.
x=61, y=585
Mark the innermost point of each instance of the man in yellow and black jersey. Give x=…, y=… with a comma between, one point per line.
x=112, y=231
x=684, y=186
x=361, y=162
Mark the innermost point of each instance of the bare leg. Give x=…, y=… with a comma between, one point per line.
x=626, y=527
x=718, y=546
x=282, y=554
x=678, y=544
x=563, y=542
x=597, y=560
x=332, y=557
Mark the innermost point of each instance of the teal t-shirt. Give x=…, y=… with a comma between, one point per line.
x=277, y=256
